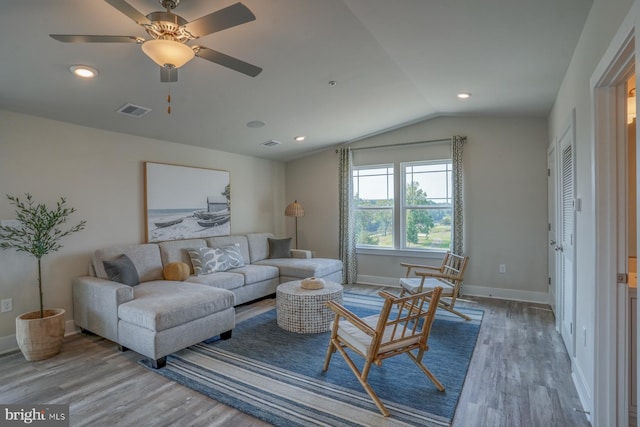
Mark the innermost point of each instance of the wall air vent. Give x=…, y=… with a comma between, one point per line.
x=133, y=110
x=271, y=143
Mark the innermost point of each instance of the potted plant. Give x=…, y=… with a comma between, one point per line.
x=39, y=333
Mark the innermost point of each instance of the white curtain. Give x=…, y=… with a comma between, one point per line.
x=457, y=142
x=347, y=246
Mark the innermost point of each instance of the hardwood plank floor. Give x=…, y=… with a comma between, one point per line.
x=519, y=376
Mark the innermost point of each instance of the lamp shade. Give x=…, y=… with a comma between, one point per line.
x=294, y=209
x=168, y=52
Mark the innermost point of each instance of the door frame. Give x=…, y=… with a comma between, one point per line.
x=552, y=200
x=620, y=59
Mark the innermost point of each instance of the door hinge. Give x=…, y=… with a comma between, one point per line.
x=548, y=172
x=549, y=280
x=623, y=278
x=549, y=226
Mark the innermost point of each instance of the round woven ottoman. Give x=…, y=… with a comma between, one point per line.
x=303, y=310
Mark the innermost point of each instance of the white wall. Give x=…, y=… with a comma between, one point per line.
x=603, y=22
x=101, y=175
x=505, y=202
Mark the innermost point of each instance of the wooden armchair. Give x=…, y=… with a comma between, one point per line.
x=449, y=276
x=402, y=326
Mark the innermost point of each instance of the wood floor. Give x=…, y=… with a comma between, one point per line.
x=519, y=376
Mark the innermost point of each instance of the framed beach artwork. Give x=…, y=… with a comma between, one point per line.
x=185, y=202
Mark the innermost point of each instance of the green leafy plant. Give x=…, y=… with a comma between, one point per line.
x=39, y=232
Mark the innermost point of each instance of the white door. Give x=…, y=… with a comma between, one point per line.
x=552, y=253
x=566, y=240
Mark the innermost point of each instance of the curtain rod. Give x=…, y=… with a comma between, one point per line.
x=401, y=145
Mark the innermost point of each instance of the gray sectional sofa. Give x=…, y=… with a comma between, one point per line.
x=158, y=317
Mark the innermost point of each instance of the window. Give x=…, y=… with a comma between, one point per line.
x=426, y=205
x=373, y=191
x=414, y=215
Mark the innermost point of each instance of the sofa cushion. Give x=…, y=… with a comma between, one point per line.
x=176, y=251
x=223, y=280
x=146, y=258
x=279, y=248
x=257, y=273
x=258, y=246
x=296, y=267
x=211, y=260
x=121, y=269
x=178, y=271
x=163, y=304
x=218, y=241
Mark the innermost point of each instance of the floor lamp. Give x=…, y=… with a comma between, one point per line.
x=295, y=209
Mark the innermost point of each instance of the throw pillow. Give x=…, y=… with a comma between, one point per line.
x=178, y=271
x=211, y=260
x=229, y=256
x=122, y=270
x=280, y=248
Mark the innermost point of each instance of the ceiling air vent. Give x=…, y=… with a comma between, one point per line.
x=133, y=110
x=271, y=143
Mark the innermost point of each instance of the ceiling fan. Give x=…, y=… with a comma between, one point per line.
x=170, y=33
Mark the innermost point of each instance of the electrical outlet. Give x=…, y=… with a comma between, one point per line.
x=6, y=305
x=502, y=268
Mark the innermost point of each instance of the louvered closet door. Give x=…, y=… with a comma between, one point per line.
x=567, y=242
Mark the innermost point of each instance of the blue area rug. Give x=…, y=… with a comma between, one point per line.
x=277, y=376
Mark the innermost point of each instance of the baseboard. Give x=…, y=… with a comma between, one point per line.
x=468, y=290
x=508, y=294
x=584, y=394
x=9, y=343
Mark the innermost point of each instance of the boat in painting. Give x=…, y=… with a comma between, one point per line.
x=215, y=221
x=162, y=224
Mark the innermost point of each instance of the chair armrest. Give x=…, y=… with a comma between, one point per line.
x=437, y=275
x=301, y=253
x=352, y=318
x=95, y=304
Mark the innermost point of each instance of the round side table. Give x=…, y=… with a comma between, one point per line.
x=303, y=310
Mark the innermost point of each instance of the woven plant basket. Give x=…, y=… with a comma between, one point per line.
x=38, y=338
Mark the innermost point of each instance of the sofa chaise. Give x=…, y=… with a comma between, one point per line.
x=157, y=317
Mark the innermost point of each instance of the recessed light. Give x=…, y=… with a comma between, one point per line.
x=299, y=138
x=255, y=124
x=464, y=95
x=84, y=71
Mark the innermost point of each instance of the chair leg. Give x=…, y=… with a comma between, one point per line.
x=427, y=372
x=456, y=312
x=362, y=378
x=331, y=348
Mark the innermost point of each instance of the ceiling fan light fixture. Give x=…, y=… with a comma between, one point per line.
x=168, y=53
x=83, y=71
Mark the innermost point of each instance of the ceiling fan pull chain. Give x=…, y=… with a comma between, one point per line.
x=169, y=101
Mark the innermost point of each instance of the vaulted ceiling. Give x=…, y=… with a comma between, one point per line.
x=393, y=63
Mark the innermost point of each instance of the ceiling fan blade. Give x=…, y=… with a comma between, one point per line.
x=76, y=38
x=130, y=11
x=168, y=75
x=228, y=61
x=228, y=17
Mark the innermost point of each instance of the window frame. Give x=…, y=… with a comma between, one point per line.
x=404, y=207
x=399, y=209
x=393, y=206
